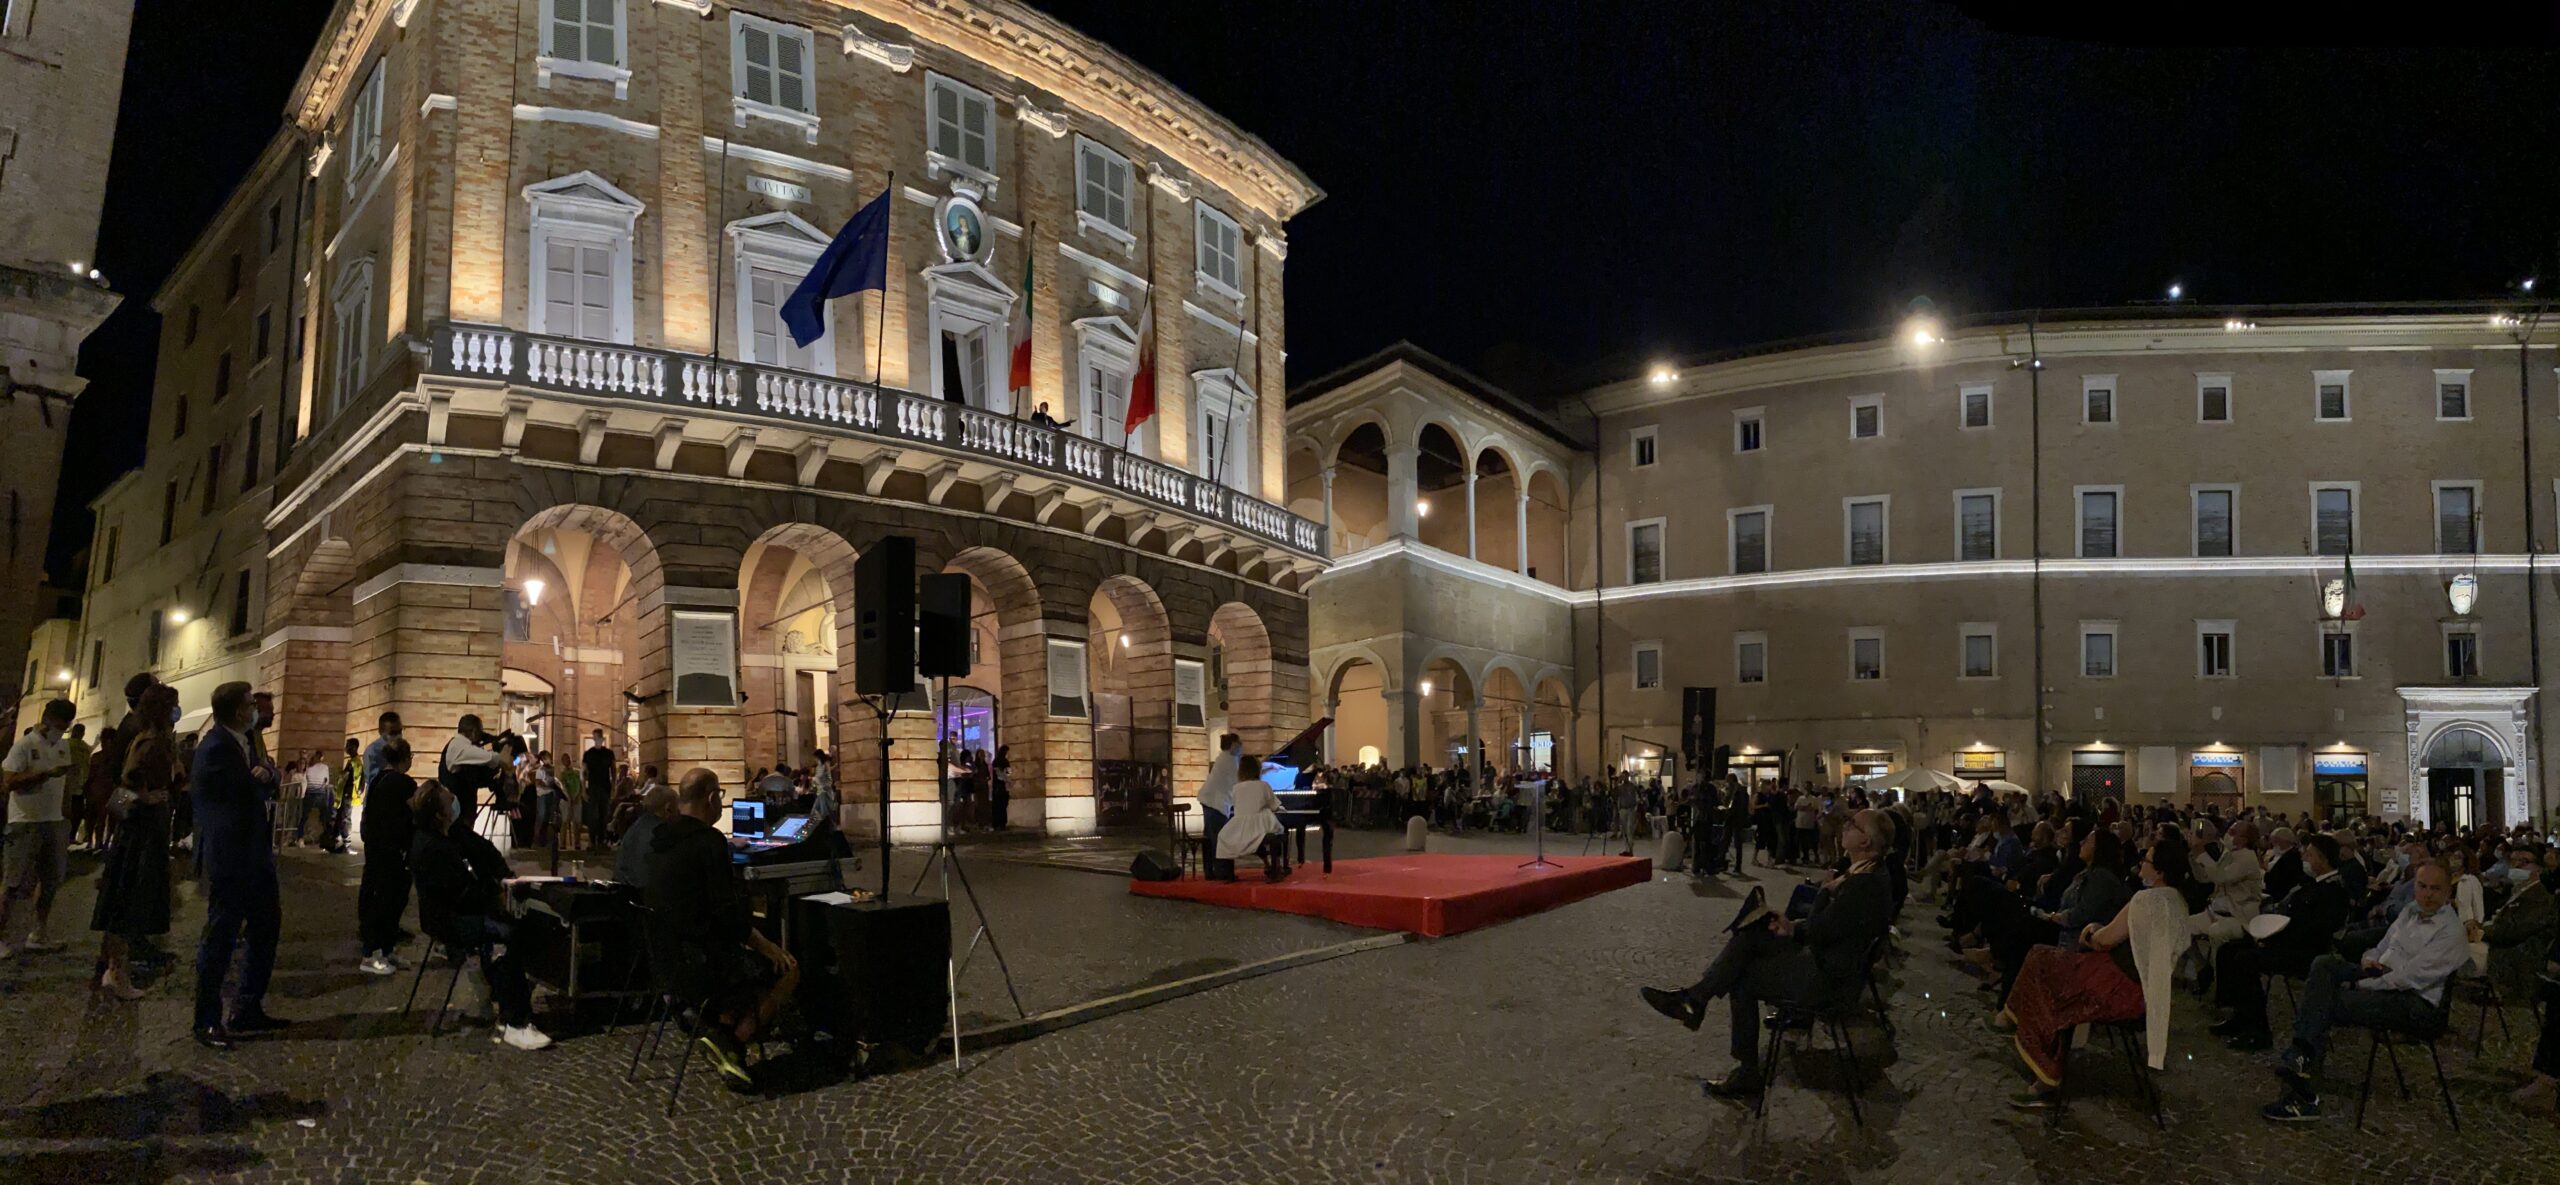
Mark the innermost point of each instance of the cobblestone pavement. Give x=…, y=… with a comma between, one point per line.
x=1515, y=1054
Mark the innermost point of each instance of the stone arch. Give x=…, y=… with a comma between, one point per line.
x=1351, y=422
x=1242, y=676
x=1129, y=683
x=622, y=620
x=1440, y=467
x=1040, y=763
x=1355, y=695
x=795, y=583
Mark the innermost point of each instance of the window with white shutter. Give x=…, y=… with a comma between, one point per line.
x=1221, y=250
x=960, y=125
x=771, y=68
x=581, y=229
x=1103, y=180
x=364, y=129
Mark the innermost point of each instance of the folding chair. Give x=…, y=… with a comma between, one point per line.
x=2128, y=1036
x=2388, y=1038
x=461, y=960
x=1834, y=1017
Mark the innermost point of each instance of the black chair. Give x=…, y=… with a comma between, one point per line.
x=2387, y=1038
x=2489, y=1002
x=461, y=959
x=1834, y=1016
x=2129, y=1036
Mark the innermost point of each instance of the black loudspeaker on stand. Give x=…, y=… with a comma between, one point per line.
x=942, y=625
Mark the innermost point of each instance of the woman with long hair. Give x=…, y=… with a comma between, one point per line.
x=133, y=887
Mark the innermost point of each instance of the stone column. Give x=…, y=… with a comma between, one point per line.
x=1404, y=486
x=1520, y=526
x=1471, y=510
x=1475, y=745
x=1332, y=537
x=425, y=642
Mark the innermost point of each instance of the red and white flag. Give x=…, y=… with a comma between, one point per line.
x=1019, y=381
x=1142, y=385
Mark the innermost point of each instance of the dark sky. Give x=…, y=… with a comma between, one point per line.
x=1566, y=189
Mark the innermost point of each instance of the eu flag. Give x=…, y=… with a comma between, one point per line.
x=857, y=261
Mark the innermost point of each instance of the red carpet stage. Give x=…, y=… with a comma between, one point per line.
x=1424, y=894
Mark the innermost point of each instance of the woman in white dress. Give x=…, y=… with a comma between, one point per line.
x=1253, y=824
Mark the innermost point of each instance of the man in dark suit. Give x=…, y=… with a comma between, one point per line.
x=231, y=786
x=1780, y=960
x=2318, y=910
x=597, y=764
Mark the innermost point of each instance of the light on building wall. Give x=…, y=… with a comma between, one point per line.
x=2333, y=598
x=532, y=591
x=177, y=617
x=2238, y=325
x=1922, y=331
x=2525, y=283
x=1124, y=641
x=79, y=267
x=2462, y=593
x=1662, y=376
x=1426, y=687
x=2177, y=291
x=62, y=676
x=1421, y=509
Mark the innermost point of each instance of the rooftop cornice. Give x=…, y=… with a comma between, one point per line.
x=1991, y=346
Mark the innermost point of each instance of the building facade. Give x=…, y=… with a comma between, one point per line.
x=2278, y=559
x=177, y=579
x=61, y=76
x=555, y=460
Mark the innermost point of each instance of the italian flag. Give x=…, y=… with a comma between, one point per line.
x=1142, y=385
x=1020, y=381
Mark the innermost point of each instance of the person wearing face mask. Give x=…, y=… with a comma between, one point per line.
x=2519, y=933
x=2400, y=983
x=462, y=882
x=2540, y=1093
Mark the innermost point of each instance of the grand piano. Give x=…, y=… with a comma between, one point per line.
x=1301, y=806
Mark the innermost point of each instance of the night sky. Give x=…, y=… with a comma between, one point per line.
x=1557, y=192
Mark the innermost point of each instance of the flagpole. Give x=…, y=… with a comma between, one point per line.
x=880, y=330
x=1218, y=461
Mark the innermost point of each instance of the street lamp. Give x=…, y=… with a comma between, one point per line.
x=533, y=591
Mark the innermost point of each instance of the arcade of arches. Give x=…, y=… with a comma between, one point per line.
x=1454, y=716
x=696, y=633
x=1477, y=507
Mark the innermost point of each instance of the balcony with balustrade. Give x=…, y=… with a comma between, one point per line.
x=878, y=425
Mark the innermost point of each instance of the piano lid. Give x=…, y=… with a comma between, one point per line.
x=1302, y=750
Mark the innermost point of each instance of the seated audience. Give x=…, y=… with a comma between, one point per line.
x=2121, y=972
x=2400, y=983
x=703, y=945
x=1771, y=958
x=462, y=882
x=2518, y=934
x=2315, y=913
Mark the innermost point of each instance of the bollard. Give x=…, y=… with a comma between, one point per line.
x=1414, y=830
x=1672, y=854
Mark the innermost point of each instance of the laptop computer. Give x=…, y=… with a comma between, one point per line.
x=789, y=830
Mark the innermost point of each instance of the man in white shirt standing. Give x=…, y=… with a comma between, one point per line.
x=37, y=854
x=1217, y=805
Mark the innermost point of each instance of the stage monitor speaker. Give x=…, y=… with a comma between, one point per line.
x=1153, y=865
x=884, y=603
x=942, y=625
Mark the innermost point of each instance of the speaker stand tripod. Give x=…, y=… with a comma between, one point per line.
x=947, y=858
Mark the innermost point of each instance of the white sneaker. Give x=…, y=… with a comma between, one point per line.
x=525, y=1037
x=37, y=944
x=375, y=964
